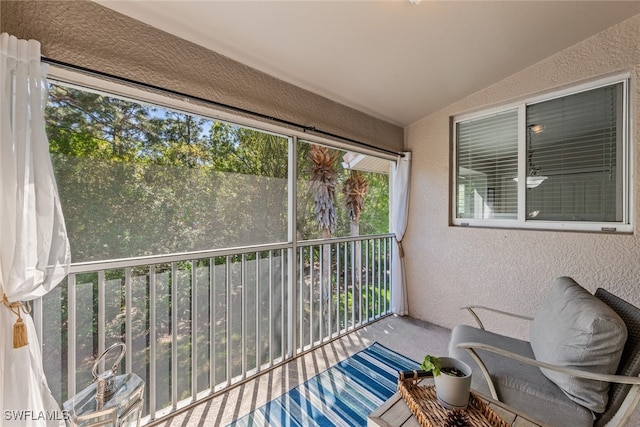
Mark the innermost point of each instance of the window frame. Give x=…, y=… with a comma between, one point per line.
x=129, y=91
x=521, y=222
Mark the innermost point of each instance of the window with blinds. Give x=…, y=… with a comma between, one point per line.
x=487, y=164
x=574, y=142
x=570, y=152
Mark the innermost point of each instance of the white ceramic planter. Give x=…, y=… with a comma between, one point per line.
x=453, y=392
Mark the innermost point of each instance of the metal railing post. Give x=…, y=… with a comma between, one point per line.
x=330, y=321
x=292, y=251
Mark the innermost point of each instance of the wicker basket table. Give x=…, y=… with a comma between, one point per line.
x=396, y=413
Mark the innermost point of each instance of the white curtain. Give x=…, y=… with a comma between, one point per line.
x=34, y=249
x=399, y=213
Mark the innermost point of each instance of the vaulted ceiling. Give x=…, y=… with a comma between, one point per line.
x=396, y=60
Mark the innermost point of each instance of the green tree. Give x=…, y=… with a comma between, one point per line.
x=139, y=180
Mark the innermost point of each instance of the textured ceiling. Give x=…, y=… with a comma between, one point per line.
x=395, y=60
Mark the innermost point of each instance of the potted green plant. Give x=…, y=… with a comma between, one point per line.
x=452, y=378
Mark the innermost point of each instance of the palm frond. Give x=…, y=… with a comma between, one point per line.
x=324, y=179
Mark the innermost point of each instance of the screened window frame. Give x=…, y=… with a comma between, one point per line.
x=128, y=91
x=626, y=145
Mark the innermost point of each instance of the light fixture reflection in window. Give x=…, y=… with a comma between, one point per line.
x=536, y=128
x=533, y=179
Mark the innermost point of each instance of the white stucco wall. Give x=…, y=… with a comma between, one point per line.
x=448, y=267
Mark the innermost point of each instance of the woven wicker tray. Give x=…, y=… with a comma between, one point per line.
x=421, y=400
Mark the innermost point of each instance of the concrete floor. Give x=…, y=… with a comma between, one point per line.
x=405, y=335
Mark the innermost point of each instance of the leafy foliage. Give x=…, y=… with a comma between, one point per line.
x=355, y=189
x=139, y=180
x=324, y=179
x=431, y=364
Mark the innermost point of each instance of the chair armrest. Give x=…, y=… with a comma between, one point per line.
x=471, y=309
x=471, y=347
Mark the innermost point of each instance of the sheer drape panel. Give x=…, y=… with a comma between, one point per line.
x=399, y=215
x=34, y=255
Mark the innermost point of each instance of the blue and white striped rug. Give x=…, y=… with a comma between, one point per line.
x=343, y=395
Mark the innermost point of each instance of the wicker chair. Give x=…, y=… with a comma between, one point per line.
x=497, y=361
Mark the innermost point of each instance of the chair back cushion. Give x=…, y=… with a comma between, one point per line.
x=574, y=329
x=630, y=360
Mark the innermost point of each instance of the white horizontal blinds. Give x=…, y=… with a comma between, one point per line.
x=487, y=162
x=575, y=142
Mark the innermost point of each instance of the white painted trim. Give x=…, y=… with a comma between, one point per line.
x=581, y=87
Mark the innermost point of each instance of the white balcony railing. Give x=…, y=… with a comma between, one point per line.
x=198, y=323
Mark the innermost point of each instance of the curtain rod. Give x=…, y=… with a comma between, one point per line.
x=217, y=104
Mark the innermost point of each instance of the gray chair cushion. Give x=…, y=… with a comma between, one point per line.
x=575, y=329
x=519, y=385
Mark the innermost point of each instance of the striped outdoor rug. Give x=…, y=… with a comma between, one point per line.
x=343, y=395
